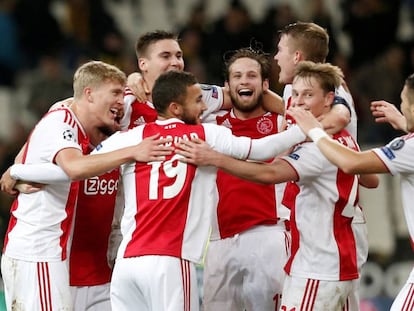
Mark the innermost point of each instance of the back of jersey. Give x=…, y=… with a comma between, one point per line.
x=167, y=204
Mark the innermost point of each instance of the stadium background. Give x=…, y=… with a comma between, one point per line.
x=43, y=41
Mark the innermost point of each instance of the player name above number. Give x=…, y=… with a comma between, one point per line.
x=177, y=139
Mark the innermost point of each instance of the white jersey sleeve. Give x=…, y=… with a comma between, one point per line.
x=352, y=125
x=129, y=99
x=397, y=155
x=45, y=173
x=307, y=161
x=272, y=145
x=213, y=98
x=63, y=136
x=120, y=140
x=287, y=93
x=221, y=138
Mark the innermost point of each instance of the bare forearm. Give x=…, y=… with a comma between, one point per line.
x=253, y=171
x=351, y=161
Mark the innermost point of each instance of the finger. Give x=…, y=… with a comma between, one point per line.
x=197, y=140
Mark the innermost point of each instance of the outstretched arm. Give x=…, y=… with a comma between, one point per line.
x=77, y=166
x=198, y=152
x=348, y=160
x=386, y=112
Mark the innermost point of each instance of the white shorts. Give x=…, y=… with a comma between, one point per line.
x=245, y=272
x=154, y=283
x=91, y=298
x=35, y=286
x=317, y=295
x=405, y=298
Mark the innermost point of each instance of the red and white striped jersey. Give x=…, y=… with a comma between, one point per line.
x=238, y=207
x=169, y=204
x=397, y=157
x=138, y=113
x=322, y=209
x=88, y=263
x=40, y=222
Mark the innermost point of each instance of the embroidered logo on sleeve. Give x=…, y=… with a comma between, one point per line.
x=388, y=152
x=68, y=135
x=397, y=144
x=210, y=88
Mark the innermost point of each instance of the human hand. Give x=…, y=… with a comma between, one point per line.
x=7, y=183
x=28, y=187
x=304, y=119
x=138, y=86
x=153, y=148
x=196, y=151
x=386, y=112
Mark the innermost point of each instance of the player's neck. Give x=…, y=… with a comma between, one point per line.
x=243, y=115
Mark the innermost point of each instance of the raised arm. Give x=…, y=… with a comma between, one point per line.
x=348, y=160
x=273, y=102
x=138, y=87
x=385, y=112
x=336, y=119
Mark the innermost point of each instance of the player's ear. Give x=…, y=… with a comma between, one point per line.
x=176, y=109
x=265, y=84
x=298, y=56
x=142, y=64
x=87, y=91
x=330, y=96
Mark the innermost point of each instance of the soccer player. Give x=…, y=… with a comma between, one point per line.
x=95, y=235
x=169, y=204
x=322, y=263
x=308, y=41
x=394, y=158
x=249, y=242
x=34, y=260
x=157, y=52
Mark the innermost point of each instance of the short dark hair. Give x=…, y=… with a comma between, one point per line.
x=171, y=86
x=257, y=55
x=144, y=41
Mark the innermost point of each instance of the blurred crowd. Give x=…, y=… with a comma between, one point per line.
x=43, y=41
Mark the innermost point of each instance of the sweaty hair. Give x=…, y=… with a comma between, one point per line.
x=309, y=38
x=171, y=86
x=257, y=55
x=95, y=73
x=329, y=76
x=149, y=38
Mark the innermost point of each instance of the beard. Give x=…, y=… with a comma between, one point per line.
x=243, y=107
x=187, y=119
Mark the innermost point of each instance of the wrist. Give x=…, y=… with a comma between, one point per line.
x=14, y=171
x=316, y=134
